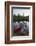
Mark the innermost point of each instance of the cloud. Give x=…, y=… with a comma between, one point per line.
x=26, y=12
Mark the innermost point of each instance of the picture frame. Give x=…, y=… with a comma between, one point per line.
x=13, y=8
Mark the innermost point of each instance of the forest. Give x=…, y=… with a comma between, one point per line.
x=20, y=18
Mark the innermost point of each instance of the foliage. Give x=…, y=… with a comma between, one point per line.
x=20, y=18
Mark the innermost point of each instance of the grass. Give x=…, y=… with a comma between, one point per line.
x=20, y=33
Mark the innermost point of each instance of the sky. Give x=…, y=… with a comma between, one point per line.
x=26, y=12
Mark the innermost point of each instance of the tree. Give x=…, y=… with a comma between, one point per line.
x=20, y=18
